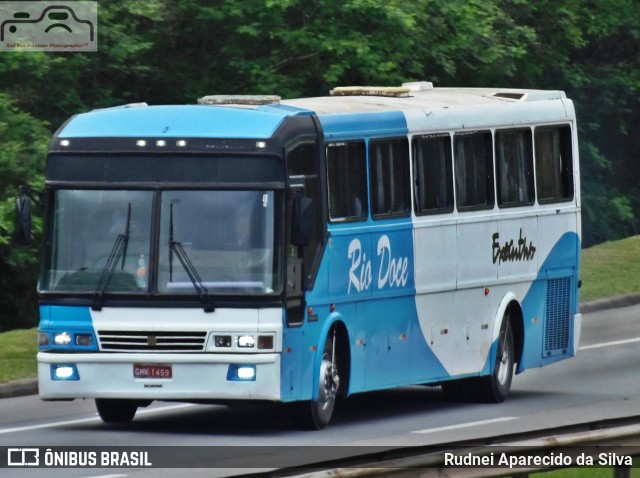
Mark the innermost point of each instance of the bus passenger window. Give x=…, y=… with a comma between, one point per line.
x=473, y=155
x=389, y=167
x=554, y=170
x=514, y=168
x=346, y=177
x=433, y=176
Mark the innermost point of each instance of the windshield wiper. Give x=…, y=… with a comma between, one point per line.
x=175, y=247
x=119, y=249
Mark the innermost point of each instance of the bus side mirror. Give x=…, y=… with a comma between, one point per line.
x=23, y=220
x=301, y=227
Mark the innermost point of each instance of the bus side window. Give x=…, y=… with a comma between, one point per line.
x=554, y=167
x=473, y=155
x=433, y=175
x=347, y=181
x=514, y=168
x=389, y=169
x=302, y=168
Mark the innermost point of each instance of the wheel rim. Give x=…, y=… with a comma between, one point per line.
x=328, y=386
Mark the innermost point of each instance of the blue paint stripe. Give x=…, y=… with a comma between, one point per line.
x=343, y=126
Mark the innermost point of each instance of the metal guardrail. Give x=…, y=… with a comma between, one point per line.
x=612, y=447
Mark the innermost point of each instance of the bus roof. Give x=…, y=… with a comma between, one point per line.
x=420, y=98
x=185, y=121
x=261, y=121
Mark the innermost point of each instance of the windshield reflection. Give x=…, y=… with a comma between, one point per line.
x=227, y=236
x=101, y=242
x=86, y=225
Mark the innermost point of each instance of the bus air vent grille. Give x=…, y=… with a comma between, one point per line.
x=557, y=316
x=151, y=341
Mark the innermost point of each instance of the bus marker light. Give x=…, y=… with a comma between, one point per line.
x=181, y=143
x=67, y=371
x=141, y=143
x=261, y=144
x=486, y=291
x=62, y=338
x=65, y=143
x=332, y=307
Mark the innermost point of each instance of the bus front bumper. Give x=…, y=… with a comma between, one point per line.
x=159, y=376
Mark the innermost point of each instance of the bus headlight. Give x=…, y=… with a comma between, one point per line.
x=43, y=338
x=63, y=338
x=246, y=341
x=84, y=340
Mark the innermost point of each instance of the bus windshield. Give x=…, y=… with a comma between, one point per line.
x=102, y=242
x=227, y=237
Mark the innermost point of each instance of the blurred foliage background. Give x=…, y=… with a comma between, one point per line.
x=174, y=51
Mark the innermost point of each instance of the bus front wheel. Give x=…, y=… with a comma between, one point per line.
x=116, y=410
x=316, y=414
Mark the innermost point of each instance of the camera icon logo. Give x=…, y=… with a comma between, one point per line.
x=23, y=457
x=48, y=26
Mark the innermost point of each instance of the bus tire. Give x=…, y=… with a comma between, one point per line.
x=495, y=388
x=316, y=414
x=116, y=410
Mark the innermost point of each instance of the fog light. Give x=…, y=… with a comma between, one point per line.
x=62, y=338
x=66, y=371
x=84, y=340
x=241, y=373
x=246, y=341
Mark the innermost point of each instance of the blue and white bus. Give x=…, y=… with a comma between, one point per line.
x=304, y=250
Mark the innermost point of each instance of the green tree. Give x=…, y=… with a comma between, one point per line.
x=24, y=140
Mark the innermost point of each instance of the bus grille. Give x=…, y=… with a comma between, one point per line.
x=134, y=341
x=557, y=316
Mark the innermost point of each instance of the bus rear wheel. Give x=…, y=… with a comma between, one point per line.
x=316, y=414
x=495, y=388
x=116, y=410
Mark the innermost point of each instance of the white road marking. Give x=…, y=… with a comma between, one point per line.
x=108, y=476
x=610, y=344
x=4, y=431
x=466, y=425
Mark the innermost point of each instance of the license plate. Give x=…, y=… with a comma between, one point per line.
x=151, y=371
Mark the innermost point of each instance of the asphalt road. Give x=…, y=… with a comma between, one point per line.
x=601, y=382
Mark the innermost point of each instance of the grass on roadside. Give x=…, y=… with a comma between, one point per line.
x=610, y=269
x=18, y=349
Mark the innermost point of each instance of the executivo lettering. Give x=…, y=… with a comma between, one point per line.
x=508, y=252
